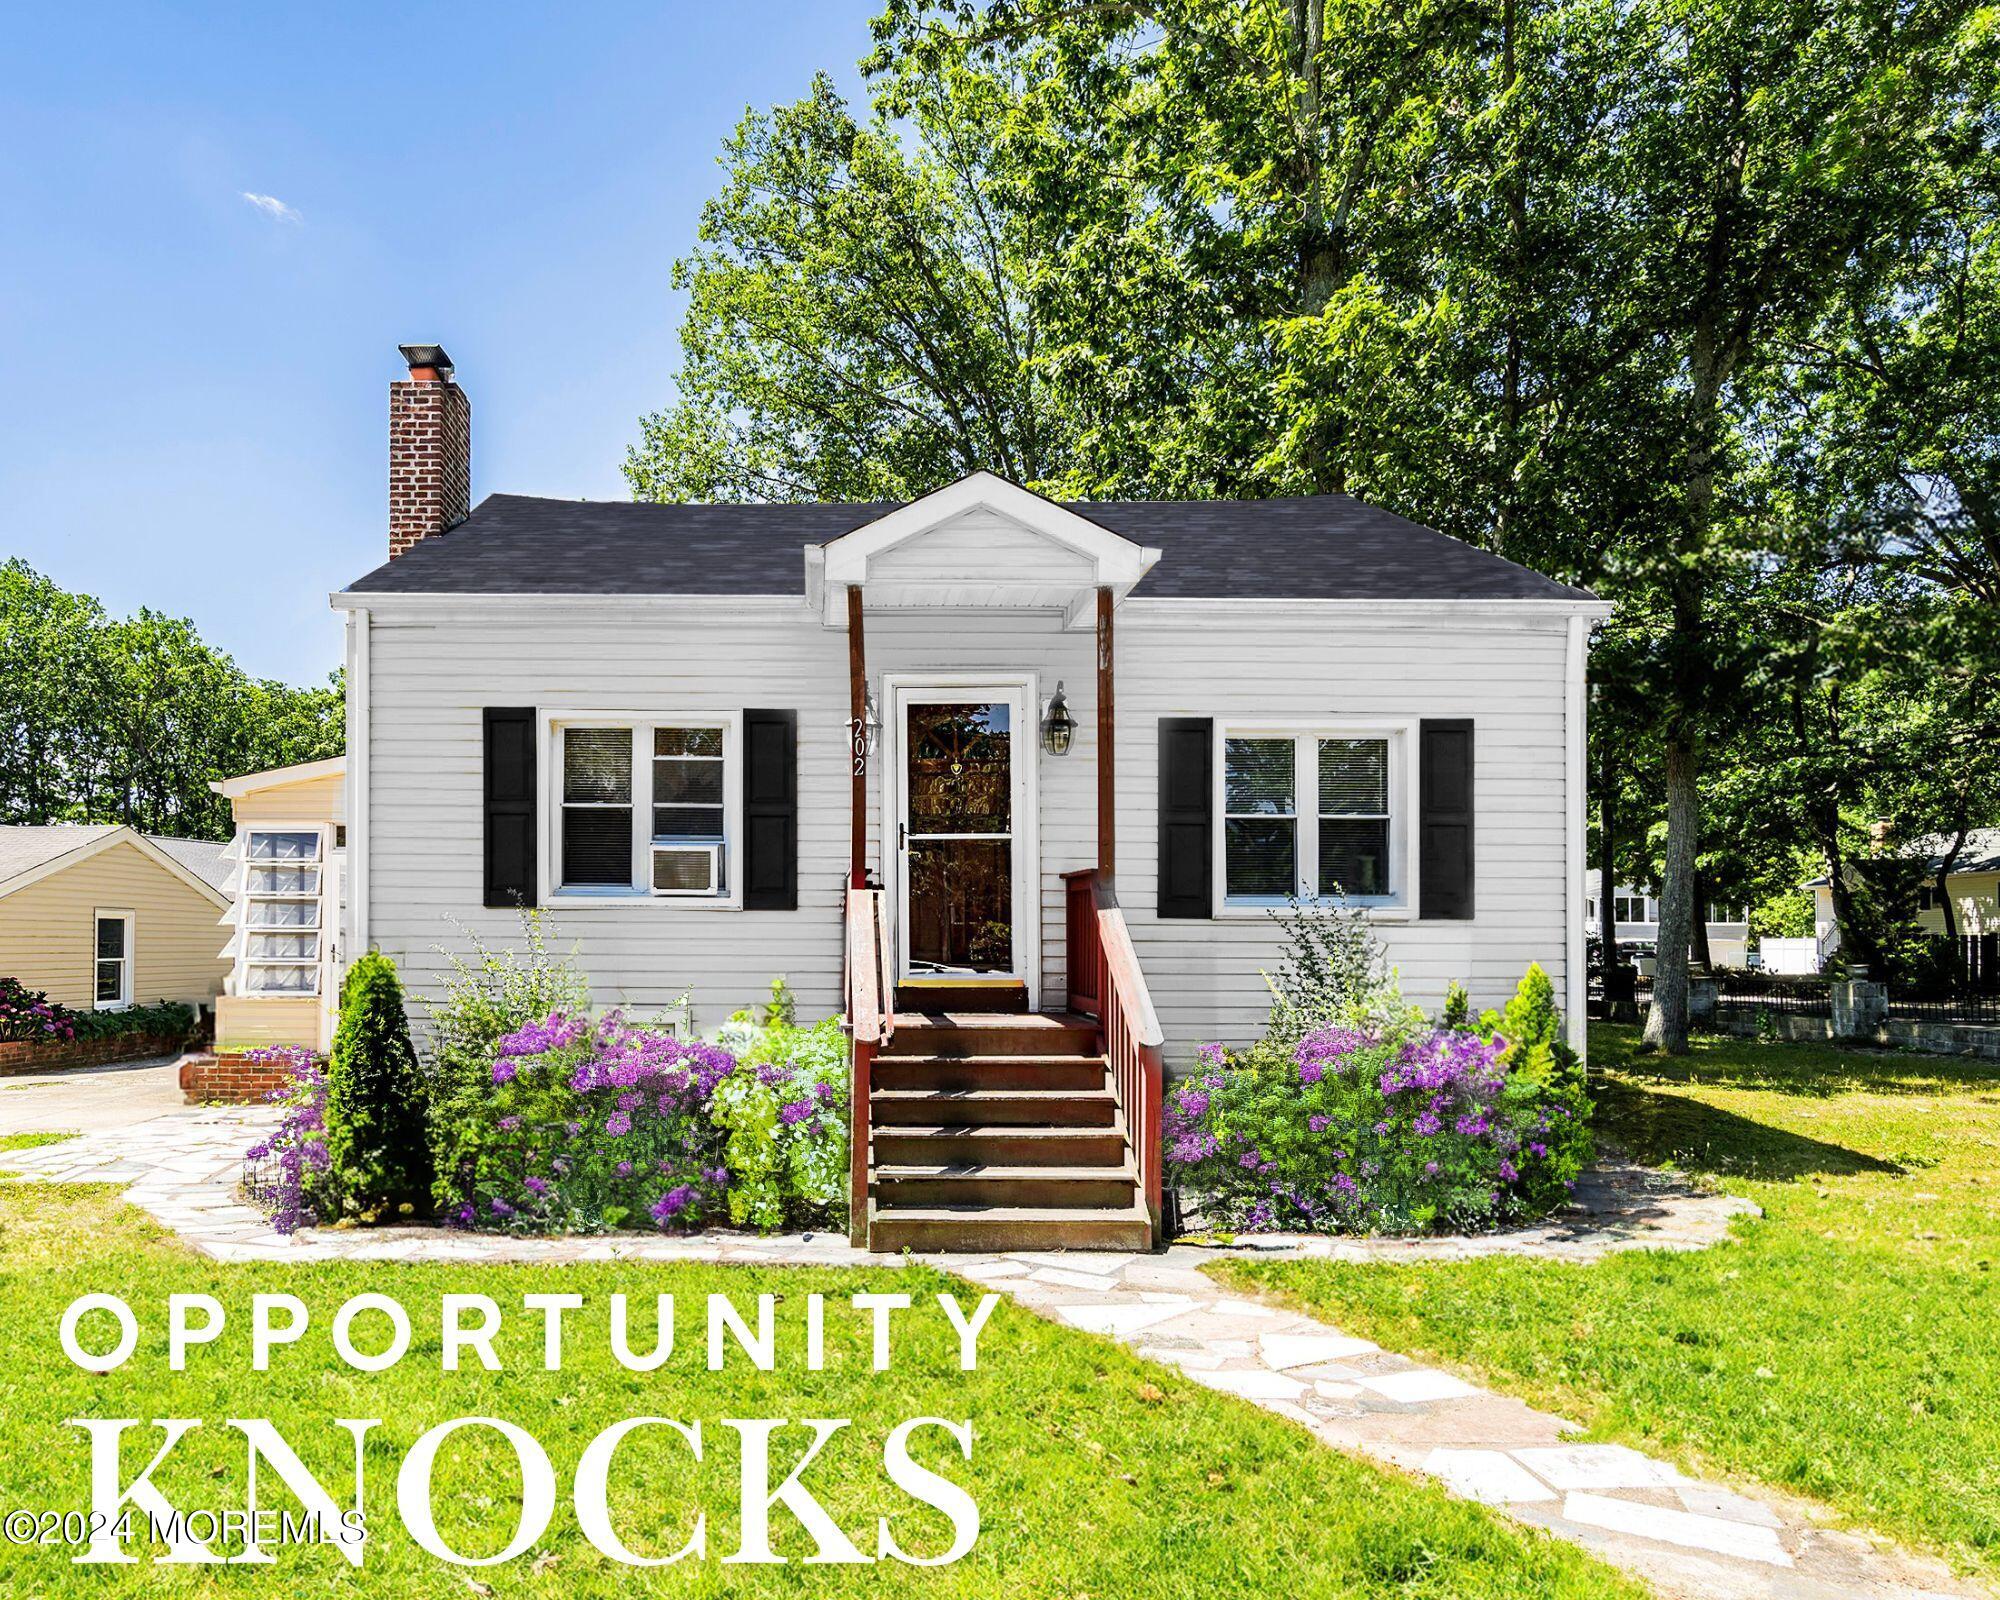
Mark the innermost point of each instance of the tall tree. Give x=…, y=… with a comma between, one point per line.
x=859, y=326
x=129, y=720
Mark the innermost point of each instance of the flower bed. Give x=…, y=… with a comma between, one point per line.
x=234, y=1077
x=615, y=1126
x=1357, y=1114
x=1361, y=1133
x=36, y=1034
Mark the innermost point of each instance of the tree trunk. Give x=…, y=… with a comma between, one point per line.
x=1667, y=1018
x=1698, y=929
x=1944, y=882
x=1607, y=869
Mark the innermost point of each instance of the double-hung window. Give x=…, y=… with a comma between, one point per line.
x=1319, y=814
x=283, y=877
x=645, y=808
x=113, y=976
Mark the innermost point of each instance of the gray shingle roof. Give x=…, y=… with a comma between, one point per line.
x=1322, y=547
x=202, y=857
x=26, y=846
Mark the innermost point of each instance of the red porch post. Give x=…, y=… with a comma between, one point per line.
x=1107, y=808
x=857, y=727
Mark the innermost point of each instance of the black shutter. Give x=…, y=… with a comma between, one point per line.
x=1444, y=823
x=771, y=810
x=510, y=805
x=1187, y=801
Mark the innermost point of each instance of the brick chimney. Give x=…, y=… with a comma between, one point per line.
x=430, y=450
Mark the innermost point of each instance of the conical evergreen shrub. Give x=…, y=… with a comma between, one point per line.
x=380, y=1164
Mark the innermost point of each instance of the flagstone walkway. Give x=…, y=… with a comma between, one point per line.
x=1685, y=1536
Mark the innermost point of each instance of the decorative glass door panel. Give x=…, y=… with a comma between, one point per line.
x=958, y=861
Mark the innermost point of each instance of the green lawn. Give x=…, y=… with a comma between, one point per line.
x=31, y=1141
x=1095, y=1475
x=1846, y=1347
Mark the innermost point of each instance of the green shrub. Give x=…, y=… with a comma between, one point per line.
x=375, y=1125
x=1531, y=1028
x=784, y=1113
x=28, y=1015
x=1330, y=959
x=1457, y=1014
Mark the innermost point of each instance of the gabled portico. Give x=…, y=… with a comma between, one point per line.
x=956, y=921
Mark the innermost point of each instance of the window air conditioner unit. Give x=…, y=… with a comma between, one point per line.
x=687, y=868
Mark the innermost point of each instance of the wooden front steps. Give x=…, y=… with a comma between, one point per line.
x=999, y=1130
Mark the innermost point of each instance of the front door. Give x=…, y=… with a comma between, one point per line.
x=964, y=837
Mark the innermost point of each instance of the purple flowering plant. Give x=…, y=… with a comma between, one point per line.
x=29, y=1015
x=285, y=1174
x=1383, y=1128
x=587, y=1127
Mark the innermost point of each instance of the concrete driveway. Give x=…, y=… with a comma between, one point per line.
x=90, y=1099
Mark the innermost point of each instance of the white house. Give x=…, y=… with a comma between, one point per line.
x=1636, y=919
x=1007, y=781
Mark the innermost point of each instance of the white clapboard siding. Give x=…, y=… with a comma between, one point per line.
x=431, y=674
x=981, y=547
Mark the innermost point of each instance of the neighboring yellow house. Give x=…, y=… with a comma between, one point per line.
x=102, y=917
x=284, y=915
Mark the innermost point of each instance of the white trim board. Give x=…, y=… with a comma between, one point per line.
x=1023, y=688
x=278, y=777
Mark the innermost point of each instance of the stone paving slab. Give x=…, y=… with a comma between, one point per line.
x=1684, y=1536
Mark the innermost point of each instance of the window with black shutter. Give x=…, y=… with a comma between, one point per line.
x=770, y=810
x=510, y=805
x=1445, y=832
x=1186, y=819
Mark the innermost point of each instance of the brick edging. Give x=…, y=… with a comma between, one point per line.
x=230, y=1076
x=19, y=1057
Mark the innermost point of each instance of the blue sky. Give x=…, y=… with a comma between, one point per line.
x=195, y=384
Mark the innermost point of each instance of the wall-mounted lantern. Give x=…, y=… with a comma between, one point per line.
x=1058, y=726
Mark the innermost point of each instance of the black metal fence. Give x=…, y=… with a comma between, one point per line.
x=1965, y=1006
x=1799, y=997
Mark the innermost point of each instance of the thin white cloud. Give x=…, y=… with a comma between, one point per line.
x=272, y=207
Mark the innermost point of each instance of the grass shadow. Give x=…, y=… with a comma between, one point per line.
x=1812, y=1071
x=1699, y=1137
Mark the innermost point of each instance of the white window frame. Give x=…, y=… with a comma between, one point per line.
x=130, y=960
x=326, y=913
x=1621, y=903
x=639, y=889
x=1399, y=904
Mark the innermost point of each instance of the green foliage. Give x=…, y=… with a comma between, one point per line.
x=1329, y=959
x=1789, y=915
x=375, y=1099
x=1531, y=1027
x=1695, y=303
x=166, y=1019
x=28, y=1015
x=129, y=720
x=787, y=1169
x=488, y=994
x=1457, y=1014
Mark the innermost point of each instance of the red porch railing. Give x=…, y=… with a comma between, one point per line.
x=1105, y=983
x=871, y=1023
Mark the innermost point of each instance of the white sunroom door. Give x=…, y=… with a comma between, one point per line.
x=964, y=843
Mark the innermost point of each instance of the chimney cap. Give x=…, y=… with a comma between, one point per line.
x=427, y=355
